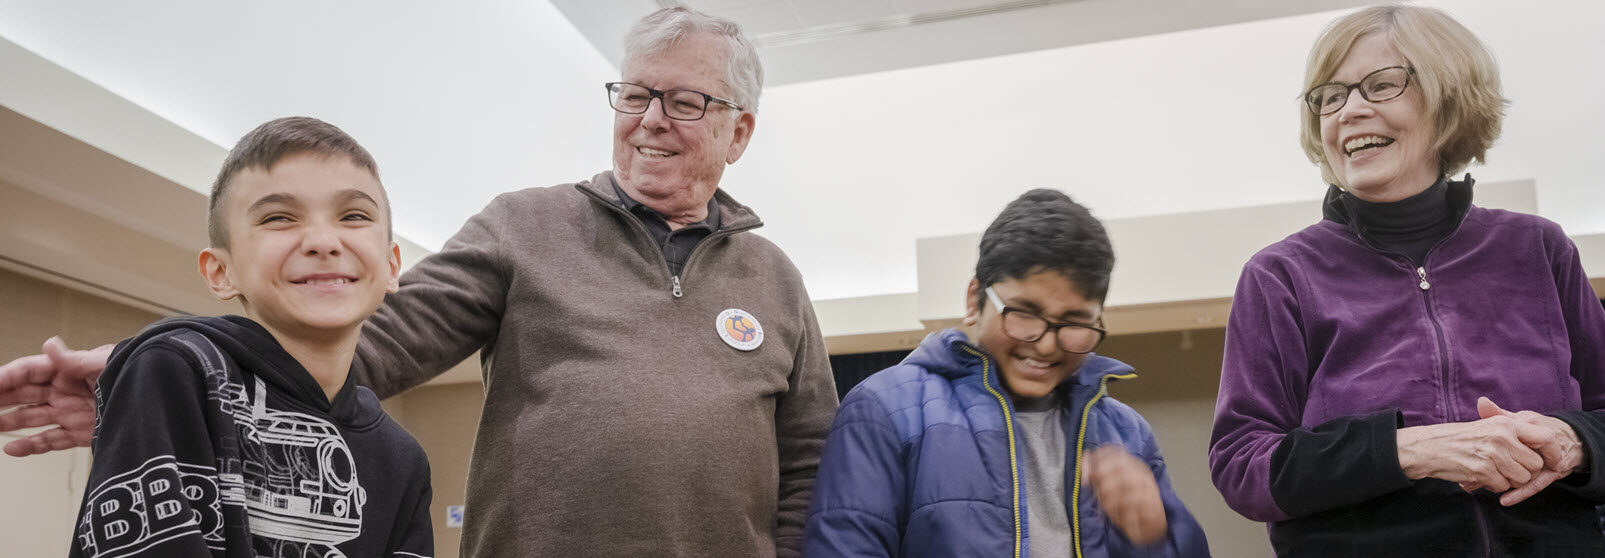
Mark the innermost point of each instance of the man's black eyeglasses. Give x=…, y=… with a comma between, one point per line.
x=678, y=104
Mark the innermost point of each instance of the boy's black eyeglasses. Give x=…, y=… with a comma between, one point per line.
x=678, y=104
x=1029, y=327
x=1376, y=87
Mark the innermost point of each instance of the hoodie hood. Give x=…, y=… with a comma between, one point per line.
x=248, y=345
x=944, y=353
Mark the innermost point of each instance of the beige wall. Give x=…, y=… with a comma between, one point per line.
x=1178, y=375
x=42, y=493
x=443, y=419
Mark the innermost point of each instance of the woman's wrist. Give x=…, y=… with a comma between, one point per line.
x=1405, y=441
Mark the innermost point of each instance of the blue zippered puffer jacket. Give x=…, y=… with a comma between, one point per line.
x=922, y=462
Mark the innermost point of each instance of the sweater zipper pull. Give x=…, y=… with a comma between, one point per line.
x=676, y=279
x=1421, y=271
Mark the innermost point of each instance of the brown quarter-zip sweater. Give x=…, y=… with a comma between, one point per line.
x=617, y=421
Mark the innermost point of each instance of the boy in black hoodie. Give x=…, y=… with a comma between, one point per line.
x=245, y=436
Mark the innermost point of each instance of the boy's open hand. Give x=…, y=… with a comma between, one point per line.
x=1125, y=488
x=54, y=388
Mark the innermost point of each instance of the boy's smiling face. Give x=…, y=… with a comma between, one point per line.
x=1031, y=370
x=309, y=249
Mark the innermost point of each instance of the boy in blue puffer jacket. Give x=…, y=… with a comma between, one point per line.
x=1002, y=440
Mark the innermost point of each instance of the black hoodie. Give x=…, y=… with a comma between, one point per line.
x=213, y=441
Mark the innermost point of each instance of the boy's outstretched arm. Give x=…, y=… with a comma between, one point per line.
x=55, y=387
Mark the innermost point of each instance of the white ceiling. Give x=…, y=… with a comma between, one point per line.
x=458, y=101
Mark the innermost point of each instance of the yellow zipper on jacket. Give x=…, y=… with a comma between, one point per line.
x=1008, y=426
x=1081, y=440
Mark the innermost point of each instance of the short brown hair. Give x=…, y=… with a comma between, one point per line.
x=1455, y=71
x=272, y=142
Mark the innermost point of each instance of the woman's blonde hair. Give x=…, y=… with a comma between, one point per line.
x=1457, y=76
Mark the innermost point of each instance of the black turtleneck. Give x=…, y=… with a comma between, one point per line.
x=1411, y=226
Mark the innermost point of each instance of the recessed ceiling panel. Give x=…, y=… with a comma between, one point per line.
x=759, y=18
x=829, y=12
x=807, y=40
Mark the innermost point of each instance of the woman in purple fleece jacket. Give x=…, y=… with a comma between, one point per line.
x=1413, y=375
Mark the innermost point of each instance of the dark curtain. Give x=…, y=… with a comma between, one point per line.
x=851, y=369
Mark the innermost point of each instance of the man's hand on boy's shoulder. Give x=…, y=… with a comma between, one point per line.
x=1125, y=488
x=54, y=388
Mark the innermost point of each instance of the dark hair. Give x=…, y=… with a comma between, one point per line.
x=1044, y=230
x=272, y=142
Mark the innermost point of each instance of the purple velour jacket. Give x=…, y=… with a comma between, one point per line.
x=1325, y=326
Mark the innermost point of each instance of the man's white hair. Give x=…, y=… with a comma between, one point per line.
x=661, y=30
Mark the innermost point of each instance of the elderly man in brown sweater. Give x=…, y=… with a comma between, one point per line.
x=655, y=381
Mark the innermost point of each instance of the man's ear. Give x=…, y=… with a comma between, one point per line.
x=214, y=267
x=739, y=137
x=972, y=307
x=393, y=282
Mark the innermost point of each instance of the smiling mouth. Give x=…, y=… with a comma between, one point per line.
x=1035, y=363
x=656, y=153
x=1362, y=143
x=321, y=281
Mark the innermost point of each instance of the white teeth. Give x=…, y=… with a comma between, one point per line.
x=650, y=152
x=339, y=281
x=1362, y=142
x=1036, y=363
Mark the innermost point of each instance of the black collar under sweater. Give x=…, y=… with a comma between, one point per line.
x=1408, y=227
x=676, y=244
